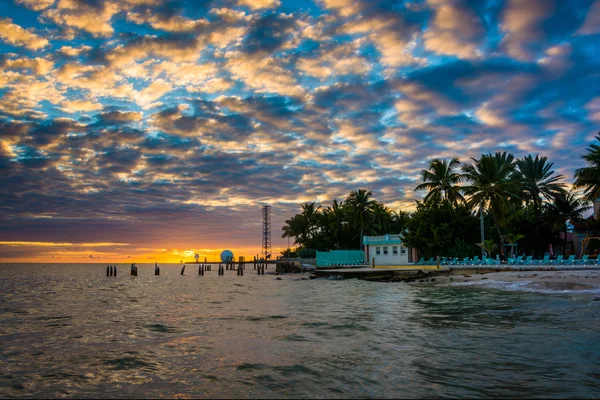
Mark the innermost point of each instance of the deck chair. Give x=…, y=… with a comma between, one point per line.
x=527, y=261
x=545, y=260
x=558, y=260
x=516, y=260
x=570, y=260
x=582, y=261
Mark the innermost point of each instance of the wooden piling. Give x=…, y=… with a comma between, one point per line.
x=183, y=269
x=107, y=270
x=115, y=270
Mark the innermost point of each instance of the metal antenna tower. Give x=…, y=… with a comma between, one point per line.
x=266, y=237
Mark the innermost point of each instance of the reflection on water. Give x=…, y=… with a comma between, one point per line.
x=70, y=331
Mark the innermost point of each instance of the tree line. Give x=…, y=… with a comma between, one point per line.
x=524, y=202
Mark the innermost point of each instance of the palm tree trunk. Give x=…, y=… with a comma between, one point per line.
x=360, y=238
x=565, y=246
x=536, y=212
x=500, y=241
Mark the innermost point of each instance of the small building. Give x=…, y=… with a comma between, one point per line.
x=385, y=250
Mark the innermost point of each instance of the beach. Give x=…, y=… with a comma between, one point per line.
x=575, y=280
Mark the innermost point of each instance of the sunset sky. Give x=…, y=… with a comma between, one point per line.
x=142, y=130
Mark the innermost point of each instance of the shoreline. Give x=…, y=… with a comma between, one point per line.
x=551, y=281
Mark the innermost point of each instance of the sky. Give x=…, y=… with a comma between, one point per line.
x=148, y=130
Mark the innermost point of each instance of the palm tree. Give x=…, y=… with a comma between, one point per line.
x=399, y=221
x=361, y=209
x=335, y=218
x=295, y=227
x=382, y=219
x=565, y=207
x=488, y=246
x=302, y=227
x=589, y=177
x=311, y=216
x=441, y=180
x=492, y=184
x=512, y=239
x=538, y=182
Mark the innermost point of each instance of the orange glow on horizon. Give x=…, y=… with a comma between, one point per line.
x=140, y=255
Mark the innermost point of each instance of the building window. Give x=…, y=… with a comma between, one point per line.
x=395, y=250
x=402, y=250
x=384, y=250
x=377, y=250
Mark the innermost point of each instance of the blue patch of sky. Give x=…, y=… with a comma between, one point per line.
x=21, y=15
x=308, y=6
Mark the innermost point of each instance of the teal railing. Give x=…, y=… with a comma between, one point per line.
x=340, y=257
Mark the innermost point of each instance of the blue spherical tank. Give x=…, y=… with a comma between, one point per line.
x=226, y=255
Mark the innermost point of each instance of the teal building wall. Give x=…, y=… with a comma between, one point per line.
x=340, y=257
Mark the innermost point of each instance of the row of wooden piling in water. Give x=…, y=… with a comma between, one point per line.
x=111, y=270
x=240, y=266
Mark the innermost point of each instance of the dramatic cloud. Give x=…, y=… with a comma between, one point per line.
x=155, y=129
x=16, y=35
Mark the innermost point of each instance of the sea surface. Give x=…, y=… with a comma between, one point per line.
x=68, y=330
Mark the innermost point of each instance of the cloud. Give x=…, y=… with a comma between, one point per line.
x=36, y=5
x=259, y=4
x=591, y=25
x=71, y=106
x=54, y=244
x=263, y=74
x=268, y=33
x=169, y=23
x=37, y=66
x=121, y=116
x=153, y=92
x=455, y=30
x=74, y=51
x=17, y=36
x=593, y=108
x=521, y=22
x=339, y=60
x=392, y=33
x=93, y=17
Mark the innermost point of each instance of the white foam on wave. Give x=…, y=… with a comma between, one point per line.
x=526, y=286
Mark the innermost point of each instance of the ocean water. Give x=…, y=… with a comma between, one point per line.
x=70, y=331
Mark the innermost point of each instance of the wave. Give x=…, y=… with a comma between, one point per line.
x=534, y=287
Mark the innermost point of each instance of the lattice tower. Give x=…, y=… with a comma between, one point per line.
x=266, y=237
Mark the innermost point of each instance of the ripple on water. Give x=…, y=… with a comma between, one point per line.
x=296, y=369
x=295, y=338
x=353, y=327
x=250, y=367
x=266, y=317
x=161, y=328
x=130, y=361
